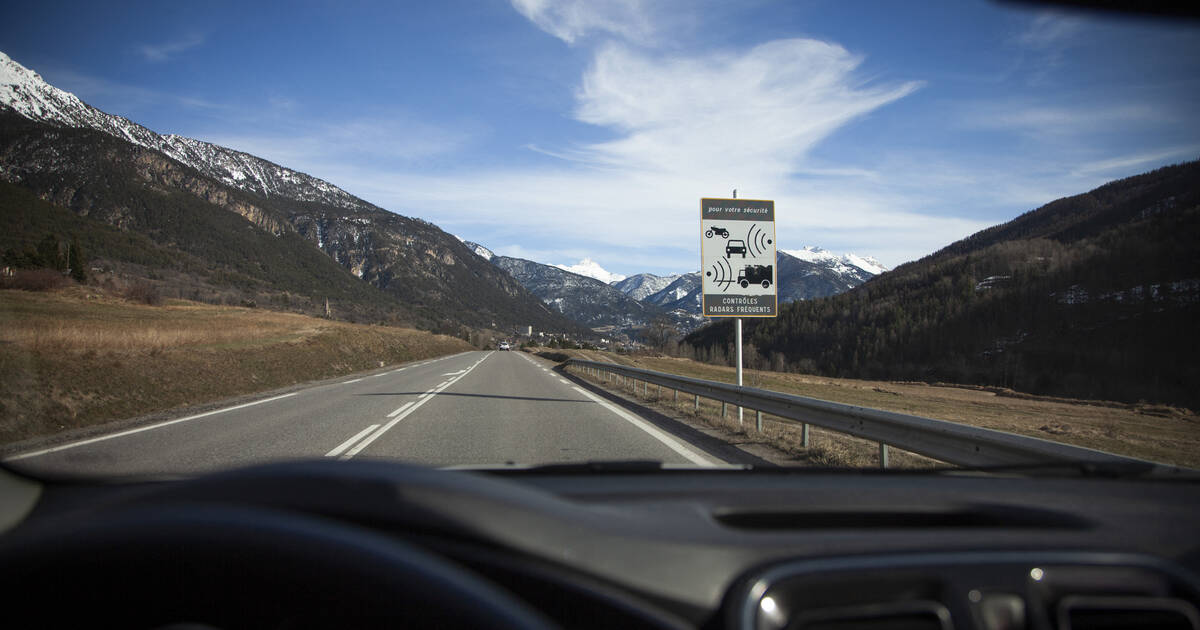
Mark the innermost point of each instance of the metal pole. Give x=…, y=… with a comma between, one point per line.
x=697, y=403
x=739, y=360
x=758, y=421
x=723, y=405
x=804, y=436
x=883, y=455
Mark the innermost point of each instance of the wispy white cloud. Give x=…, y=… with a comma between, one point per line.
x=1045, y=42
x=165, y=50
x=1058, y=119
x=571, y=20
x=126, y=99
x=315, y=147
x=738, y=115
x=1050, y=30
x=1123, y=163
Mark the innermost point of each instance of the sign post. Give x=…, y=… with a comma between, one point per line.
x=739, y=271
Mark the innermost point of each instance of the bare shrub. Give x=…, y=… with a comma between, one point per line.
x=35, y=280
x=144, y=292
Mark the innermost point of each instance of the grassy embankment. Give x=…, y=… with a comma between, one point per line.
x=1154, y=432
x=77, y=357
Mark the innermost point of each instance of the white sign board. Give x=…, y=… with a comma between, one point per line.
x=737, y=252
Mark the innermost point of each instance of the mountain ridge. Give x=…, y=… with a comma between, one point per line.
x=434, y=275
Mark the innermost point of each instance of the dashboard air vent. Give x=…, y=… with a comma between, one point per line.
x=1126, y=613
x=914, y=615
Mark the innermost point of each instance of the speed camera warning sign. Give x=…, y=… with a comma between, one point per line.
x=737, y=252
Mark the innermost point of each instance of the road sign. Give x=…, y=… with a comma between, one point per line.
x=737, y=252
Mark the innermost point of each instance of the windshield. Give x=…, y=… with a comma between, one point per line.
x=494, y=234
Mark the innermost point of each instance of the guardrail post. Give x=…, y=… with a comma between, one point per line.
x=758, y=421
x=676, y=396
x=697, y=403
x=723, y=405
x=804, y=436
x=657, y=392
x=883, y=455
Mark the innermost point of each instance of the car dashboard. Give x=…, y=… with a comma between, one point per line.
x=605, y=547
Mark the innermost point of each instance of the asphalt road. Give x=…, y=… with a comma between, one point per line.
x=475, y=408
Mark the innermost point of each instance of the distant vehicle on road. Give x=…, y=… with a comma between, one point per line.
x=504, y=345
x=756, y=274
x=719, y=231
x=735, y=247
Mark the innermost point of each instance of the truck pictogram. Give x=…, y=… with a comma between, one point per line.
x=756, y=274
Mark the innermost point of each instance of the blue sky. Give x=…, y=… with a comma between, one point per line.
x=559, y=130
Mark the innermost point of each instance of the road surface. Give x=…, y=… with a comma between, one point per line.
x=489, y=408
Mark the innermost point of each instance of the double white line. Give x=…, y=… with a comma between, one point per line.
x=363, y=438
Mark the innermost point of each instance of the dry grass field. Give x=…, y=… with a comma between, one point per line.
x=1154, y=432
x=78, y=357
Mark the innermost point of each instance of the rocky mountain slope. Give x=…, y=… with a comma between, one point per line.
x=589, y=301
x=682, y=294
x=643, y=285
x=812, y=272
x=110, y=168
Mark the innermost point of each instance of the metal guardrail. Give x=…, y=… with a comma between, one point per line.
x=944, y=441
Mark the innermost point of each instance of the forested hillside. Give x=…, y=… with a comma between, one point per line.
x=1093, y=296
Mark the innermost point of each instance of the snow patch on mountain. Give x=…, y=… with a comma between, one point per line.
x=480, y=250
x=866, y=263
x=643, y=285
x=26, y=93
x=592, y=269
x=839, y=264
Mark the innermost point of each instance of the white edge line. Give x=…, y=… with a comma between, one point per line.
x=146, y=428
x=669, y=441
x=345, y=445
x=353, y=381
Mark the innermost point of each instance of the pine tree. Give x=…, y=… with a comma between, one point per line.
x=75, y=261
x=49, y=255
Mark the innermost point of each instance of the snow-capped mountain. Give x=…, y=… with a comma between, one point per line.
x=25, y=92
x=839, y=264
x=643, y=285
x=586, y=300
x=683, y=293
x=592, y=269
x=482, y=251
x=803, y=274
x=812, y=274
